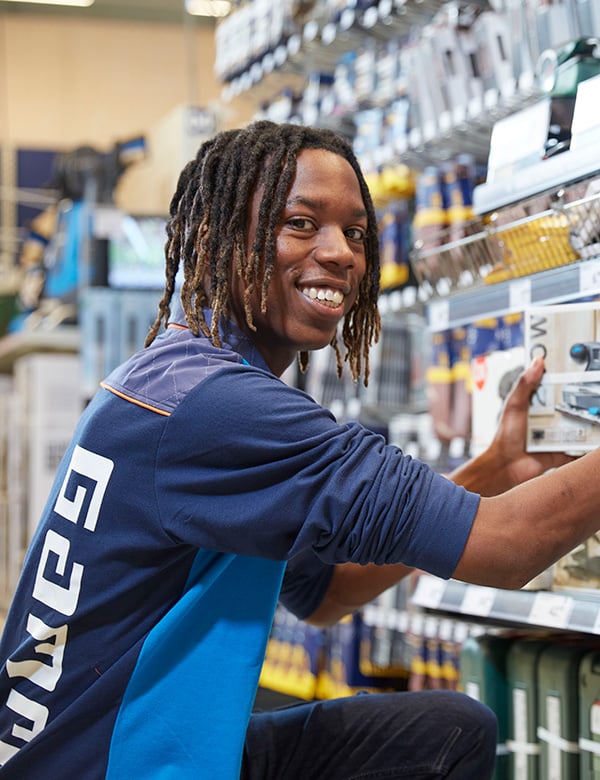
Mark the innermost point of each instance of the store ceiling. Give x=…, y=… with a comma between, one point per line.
x=141, y=10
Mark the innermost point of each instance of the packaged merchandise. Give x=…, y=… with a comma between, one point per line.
x=294, y=657
x=564, y=413
x=394, y=244
x=580, y=568
x=493, y=374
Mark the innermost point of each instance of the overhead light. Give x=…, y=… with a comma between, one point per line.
x=78, y=3
x=207, y=7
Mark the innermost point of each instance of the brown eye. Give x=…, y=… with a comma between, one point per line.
x=356, y=234
x=300, y=223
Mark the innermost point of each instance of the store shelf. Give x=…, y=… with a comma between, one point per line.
x=318, y=45
x=555, y=285
x=65, y=338
x=555, y=173
x=579, y=612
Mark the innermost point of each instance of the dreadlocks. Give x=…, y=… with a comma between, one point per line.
x=207, y=232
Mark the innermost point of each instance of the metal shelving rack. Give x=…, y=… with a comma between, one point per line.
x=508, y=261
x=568, y=611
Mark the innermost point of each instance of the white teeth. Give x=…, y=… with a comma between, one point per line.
x=335, y=297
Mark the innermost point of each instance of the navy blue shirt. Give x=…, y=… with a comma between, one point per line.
x=135, y=640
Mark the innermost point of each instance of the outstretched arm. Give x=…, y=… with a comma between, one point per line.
x=505, y=464
x=352, y=586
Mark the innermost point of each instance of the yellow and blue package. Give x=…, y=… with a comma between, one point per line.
x=460, y=377
x=428, y=224
x=394, y=246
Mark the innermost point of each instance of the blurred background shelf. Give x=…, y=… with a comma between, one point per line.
x=569, y=611
x=65, y=338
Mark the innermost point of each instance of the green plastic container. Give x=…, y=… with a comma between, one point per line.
x=558, y=710
x=483, y=677
x=523, y=745
x=589, y=716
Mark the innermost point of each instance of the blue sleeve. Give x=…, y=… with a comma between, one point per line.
x=250, y=465
x=305, y=583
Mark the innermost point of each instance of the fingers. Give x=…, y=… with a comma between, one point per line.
x=526, y=384
x=534, y=371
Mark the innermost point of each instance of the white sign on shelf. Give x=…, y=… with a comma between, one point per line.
x=429, y=591
x=478, y=600
x=589, y=276
x=550, y=609
x=519, y=293
x=439, y=315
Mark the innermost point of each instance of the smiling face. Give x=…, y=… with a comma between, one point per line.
x=320, y=260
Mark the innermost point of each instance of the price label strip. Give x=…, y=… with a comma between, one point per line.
x=429, y=592
x=478, y=600
x=549, y=609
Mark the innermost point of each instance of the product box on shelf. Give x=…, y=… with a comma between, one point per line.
x=294, y=657
x=493, y=376
x=564, y=413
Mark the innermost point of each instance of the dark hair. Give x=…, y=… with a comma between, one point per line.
x=207, y=231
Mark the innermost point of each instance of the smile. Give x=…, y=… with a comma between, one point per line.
x=327, y=296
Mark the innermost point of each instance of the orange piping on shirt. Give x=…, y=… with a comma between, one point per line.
x=135, y=401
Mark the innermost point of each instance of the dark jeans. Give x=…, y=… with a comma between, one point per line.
x=414, y=735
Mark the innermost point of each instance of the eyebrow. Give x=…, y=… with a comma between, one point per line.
x=301, y=200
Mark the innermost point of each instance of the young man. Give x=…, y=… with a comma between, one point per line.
x=197, y=478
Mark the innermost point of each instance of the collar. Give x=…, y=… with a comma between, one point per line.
x=232, y=336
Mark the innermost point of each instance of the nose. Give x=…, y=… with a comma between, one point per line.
x=333, y=247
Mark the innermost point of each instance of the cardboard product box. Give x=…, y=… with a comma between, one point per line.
x=427, y=99
x=564, y=414
x=452, y=67
x=492, y=32
x=493, y=377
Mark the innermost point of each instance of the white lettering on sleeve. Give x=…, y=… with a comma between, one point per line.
x=36, y=713
x=97, y=468
x=44, y=674
x=62, y=599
